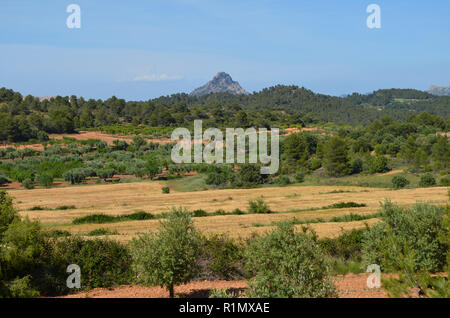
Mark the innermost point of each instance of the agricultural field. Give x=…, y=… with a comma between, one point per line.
x=299, y=202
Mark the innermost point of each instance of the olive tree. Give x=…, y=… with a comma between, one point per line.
x=168, y=257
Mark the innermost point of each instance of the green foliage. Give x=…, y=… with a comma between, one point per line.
x=399, y=182
x=336, y=158
x=168, y=257
x=346, y=246
x=166, y=190
x=299, y=177
x=223, y=256
x=283, y=180
x=287, y=264
x=427, y=180
x=418, y=229
x=103, y=263
x=258, y=206
x=28, y=184
x=104, y=218
x=8, y=213
x=45, y=180
x=378, y=164
x=445, y=182
x=249, y=175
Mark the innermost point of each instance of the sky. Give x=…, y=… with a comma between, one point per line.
x=143, y=49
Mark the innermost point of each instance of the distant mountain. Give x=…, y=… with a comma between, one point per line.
x=439, y=90
x=221, y=83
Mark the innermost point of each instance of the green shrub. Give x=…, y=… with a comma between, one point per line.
x=399, y=182
x=346, y=246
x=166, y=190
x=103, y=263
x=378, y=164
x=37, y=208
x=66, y=207
x=223, y=256
x=287, y=264
x=258, y=206
x=299, y=177
x=45, y=180
x=200, y=213
x=445, y=182
x=283, y=180
x=168, y=257
x=237, y=212
x=357, y=165
x=342, y=205
x=420, y=227
x=28, y=184
x=427, y=180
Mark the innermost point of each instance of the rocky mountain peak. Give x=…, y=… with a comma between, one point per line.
x=221, y=83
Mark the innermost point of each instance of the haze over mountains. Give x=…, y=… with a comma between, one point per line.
x=221, y=83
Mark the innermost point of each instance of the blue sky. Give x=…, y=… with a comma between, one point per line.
x=143, y=49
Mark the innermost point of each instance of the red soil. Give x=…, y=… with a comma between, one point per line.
x=349, y=286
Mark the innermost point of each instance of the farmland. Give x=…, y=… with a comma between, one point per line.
x=300, y=202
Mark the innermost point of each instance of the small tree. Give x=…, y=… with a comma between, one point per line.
x=399, y=182
x=169, y=257
x=258, y=206
x=287, y=264
x=378, y=164
x=28, y=184
x=45, y=180
x=427, y=180
x=337, y=161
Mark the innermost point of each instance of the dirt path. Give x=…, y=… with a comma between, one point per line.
x=350, y=286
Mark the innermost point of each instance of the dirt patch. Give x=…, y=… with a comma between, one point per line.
x=108, y=138
x=349, y=286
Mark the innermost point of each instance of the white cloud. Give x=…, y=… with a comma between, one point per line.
x=157, y=78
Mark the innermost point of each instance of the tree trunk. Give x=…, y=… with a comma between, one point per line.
x=171, y=293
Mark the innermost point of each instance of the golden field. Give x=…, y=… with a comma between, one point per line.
x=126, y=198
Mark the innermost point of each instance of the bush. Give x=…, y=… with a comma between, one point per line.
x=445, y=182
x=166, y=190
x=287, y=264
x=258, y=206
x=419, y=227
x=378, y=164
x=347, y=246
x=103, y=263
x=200, y=213
x=223, y=256
x=399, y=182
x=28, y=184
x=299, y=177
x=283, y=180
x=357, y=166
x=168, y=257
x=45, y=180
x=427, y=180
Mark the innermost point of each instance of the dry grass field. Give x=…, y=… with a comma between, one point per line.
x=127, y=198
